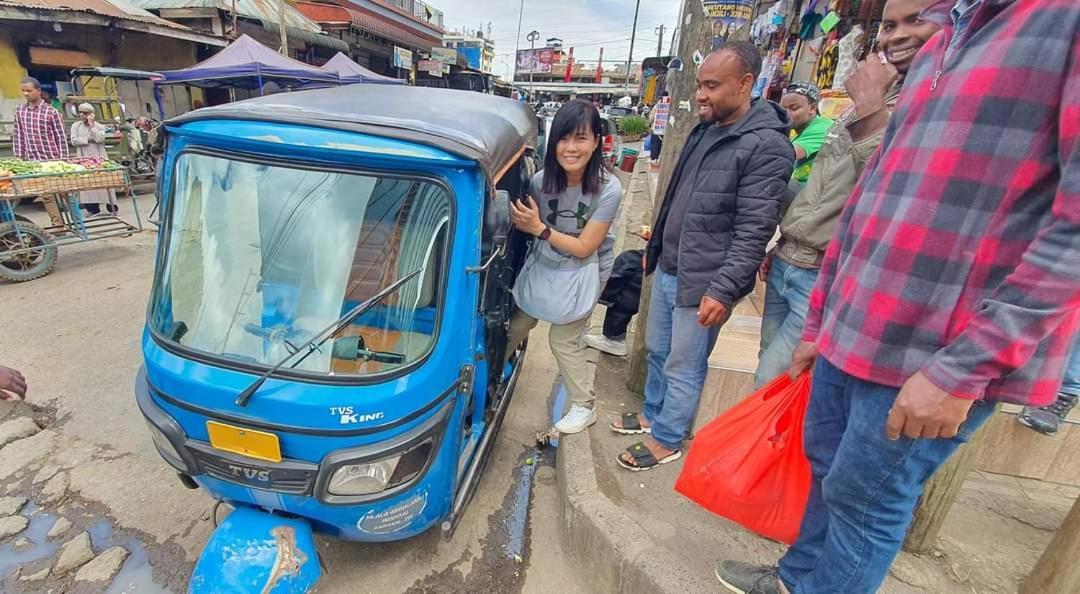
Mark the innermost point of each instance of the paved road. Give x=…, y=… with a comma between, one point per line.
x=75, y=335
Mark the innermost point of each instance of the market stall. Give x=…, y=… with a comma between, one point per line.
x=248, y=64
x=814, y=40
x=349, y=72
x=29, y=251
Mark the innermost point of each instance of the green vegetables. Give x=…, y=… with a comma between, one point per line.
x=19, y=167
x=14, y=167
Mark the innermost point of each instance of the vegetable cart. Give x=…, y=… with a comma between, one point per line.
x=27, y=250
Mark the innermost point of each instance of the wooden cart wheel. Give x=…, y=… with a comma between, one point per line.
x=30, y=265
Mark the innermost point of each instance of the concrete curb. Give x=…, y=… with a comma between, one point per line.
x=613, y=551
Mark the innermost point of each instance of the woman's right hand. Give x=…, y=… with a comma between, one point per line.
x=526, y=216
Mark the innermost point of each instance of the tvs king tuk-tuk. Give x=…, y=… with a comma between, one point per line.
x=325, y=347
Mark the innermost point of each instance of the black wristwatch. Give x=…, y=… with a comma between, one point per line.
x=545, y=234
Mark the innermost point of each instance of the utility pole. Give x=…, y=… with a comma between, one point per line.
x=533, y=36
x=517, y=40
x=281, y=27
x=694, y=35
x=659, y=40
x=630, y=58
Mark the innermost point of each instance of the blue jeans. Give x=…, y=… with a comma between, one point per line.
x=1071, y=384
x=677, y=350
x=864, y=486
x=787, y=297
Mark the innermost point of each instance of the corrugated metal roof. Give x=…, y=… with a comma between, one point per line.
x=262, y=10
x=118, y=9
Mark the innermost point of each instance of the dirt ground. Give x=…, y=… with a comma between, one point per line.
x=75, y=334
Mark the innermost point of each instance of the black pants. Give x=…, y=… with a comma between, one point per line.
x=622, y=294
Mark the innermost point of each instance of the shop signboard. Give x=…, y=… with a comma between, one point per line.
x=402, y=58
x=432, y=67
x=445, y=55
x=727, y=16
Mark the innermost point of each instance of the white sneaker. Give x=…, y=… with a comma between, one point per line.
x=606, y=345
x=577, y=420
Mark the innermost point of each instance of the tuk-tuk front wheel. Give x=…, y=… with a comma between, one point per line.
x=24, y=266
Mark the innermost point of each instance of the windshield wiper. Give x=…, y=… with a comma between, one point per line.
x=312, y=345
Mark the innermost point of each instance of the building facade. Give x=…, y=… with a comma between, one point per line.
x=476, y=48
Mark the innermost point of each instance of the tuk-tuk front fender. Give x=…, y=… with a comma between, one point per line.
x=260, y=553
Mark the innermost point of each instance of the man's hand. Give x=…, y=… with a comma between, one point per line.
x=711, y=312
x=802, y=358
x=870, y=82
x=11, y=382
x=925, y=410
x=763, y=270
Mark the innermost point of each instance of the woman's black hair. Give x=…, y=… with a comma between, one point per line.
x=571, y=117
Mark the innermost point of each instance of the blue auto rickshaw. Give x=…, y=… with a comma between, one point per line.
x=326, y=340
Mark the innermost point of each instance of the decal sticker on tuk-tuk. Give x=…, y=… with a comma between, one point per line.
x=394, y=518
x=346, y=415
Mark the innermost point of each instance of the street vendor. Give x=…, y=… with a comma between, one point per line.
x=88, y=138
x=38, y=135
x=808, y=127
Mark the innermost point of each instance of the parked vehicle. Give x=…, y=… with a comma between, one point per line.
x=326, y=342
x=133, y=150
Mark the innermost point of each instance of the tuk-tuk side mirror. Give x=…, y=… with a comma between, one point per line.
x=496, y=228
x=497, y=220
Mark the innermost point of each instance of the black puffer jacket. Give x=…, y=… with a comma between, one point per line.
x=734, y=210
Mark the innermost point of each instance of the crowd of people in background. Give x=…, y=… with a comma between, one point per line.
x=925, y=264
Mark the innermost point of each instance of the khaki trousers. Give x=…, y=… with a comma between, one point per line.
x=568, y=345
x=49, y=200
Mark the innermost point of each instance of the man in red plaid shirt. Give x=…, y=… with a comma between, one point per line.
x=39, y=135
x=953, y=280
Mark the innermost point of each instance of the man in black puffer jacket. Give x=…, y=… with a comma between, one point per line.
x=720, y=211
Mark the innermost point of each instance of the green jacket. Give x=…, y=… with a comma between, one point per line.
x=810, y=219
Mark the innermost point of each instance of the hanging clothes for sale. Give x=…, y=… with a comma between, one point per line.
x=809, y=25
x=850, y=46
x=827, y=66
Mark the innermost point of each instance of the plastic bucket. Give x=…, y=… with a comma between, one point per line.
x=628, y=159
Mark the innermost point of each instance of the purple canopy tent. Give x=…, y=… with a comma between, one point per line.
x=351, y=73
x=248, y=64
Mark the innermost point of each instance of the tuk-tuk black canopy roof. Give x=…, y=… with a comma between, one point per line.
x=487, y=129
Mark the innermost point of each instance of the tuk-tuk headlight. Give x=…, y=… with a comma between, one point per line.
x=363, y=479
x=376, y=476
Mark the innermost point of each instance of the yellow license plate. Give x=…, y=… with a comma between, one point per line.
x=246, y=442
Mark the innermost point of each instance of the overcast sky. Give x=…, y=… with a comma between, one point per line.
x=585, y=25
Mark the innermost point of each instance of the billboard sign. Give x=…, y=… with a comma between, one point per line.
x=727, y=16
x=535, y=61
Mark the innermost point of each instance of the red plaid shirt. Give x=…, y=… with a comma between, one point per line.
x=958, y=254
x=39, y=133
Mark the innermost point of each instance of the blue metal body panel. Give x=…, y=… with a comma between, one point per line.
x=252, y=551
x=193, y=389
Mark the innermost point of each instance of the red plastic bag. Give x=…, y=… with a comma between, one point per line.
x=748, y=464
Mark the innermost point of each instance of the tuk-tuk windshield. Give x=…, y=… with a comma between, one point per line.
x=259, y=258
